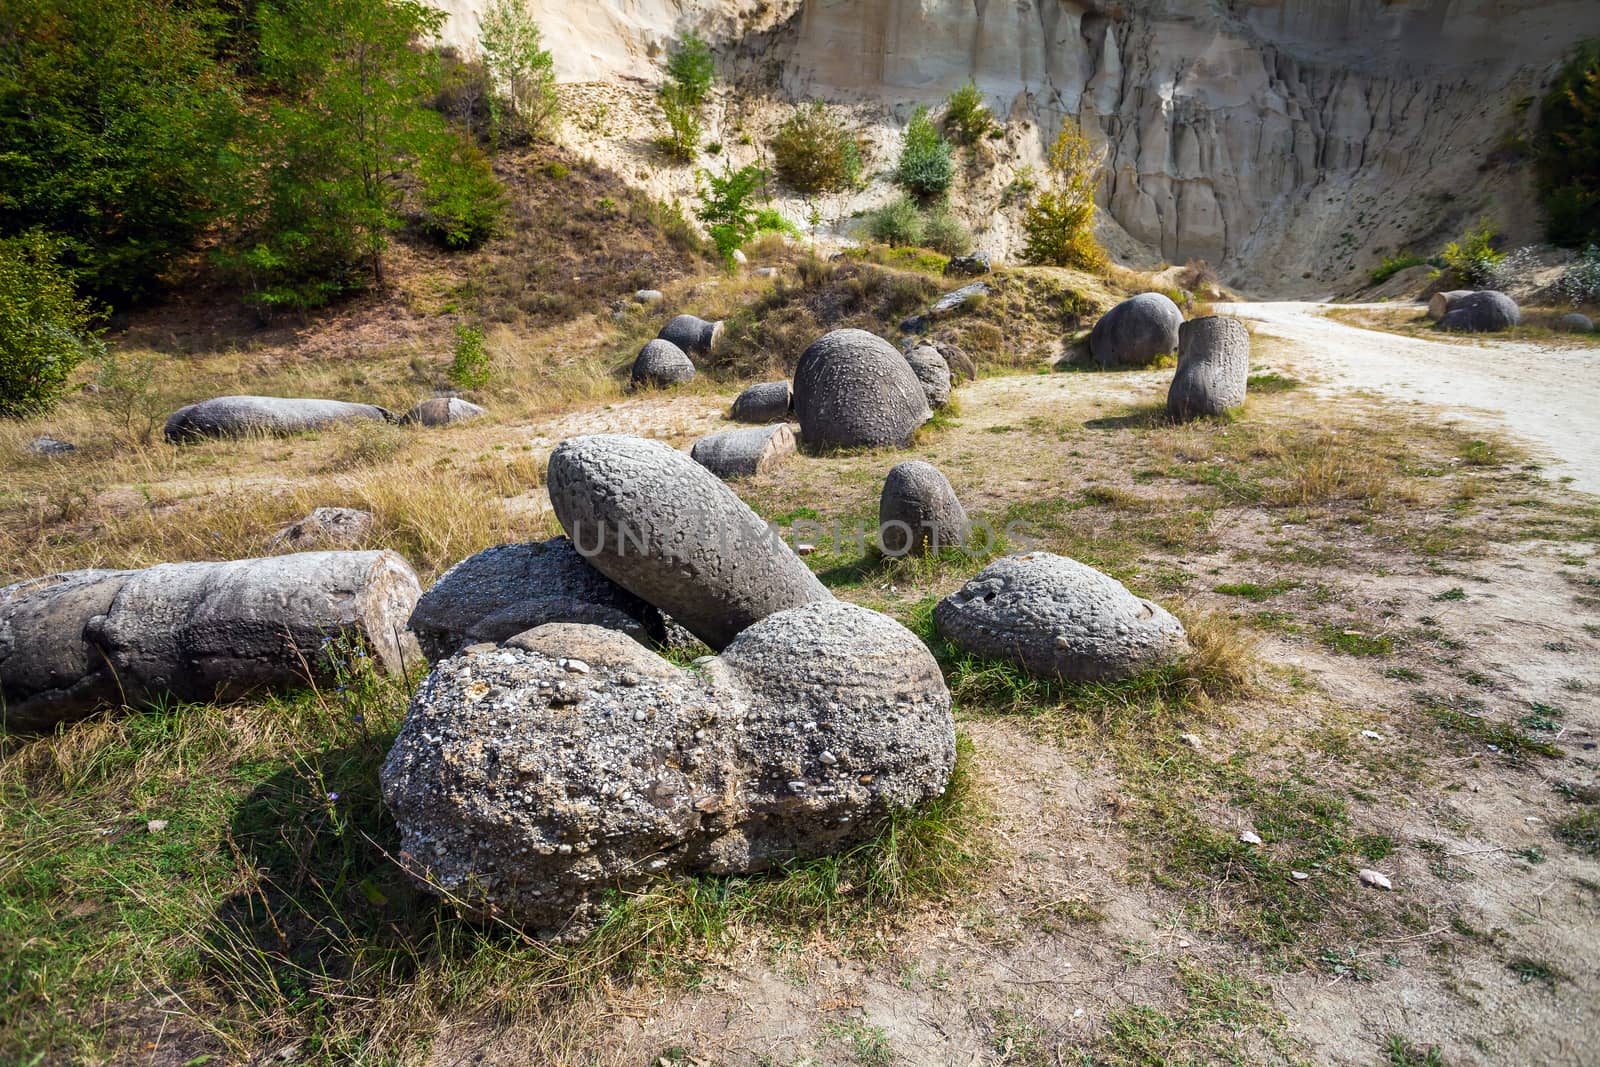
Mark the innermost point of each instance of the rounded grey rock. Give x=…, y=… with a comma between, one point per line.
x=663, y=527
x=1213, y=368
x=1575, y=323
x=962, y=367
x=1441, y=304
x=742, y=453
x=694, y=335
x=649, y=296
x=918, y=512
x=442, y=411
x=852, y=389
x=1136, y=331
x=767, y=402
x=1056, y=618
x=49, y=446
x=243, y=416
x=1485, y=312
x=502, y=591
x=662, y=363
x=529, y=792
x=325, y=528
x=979, y=262
x=933, y=372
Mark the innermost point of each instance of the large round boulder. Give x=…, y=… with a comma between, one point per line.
x=1485, y=312
x=1136, y=331
x=694, y=335
x=441, y=411
x=662, y=363
x=1575, y=323
x=933, y=372
x=918, y=512
x=504, y=590
x=743, y=453
x=530, y=781
x=244, y=416
x=1057, y=618
x=766, y=402
x=663, y=527
x=853, y=390
x=1213, y=368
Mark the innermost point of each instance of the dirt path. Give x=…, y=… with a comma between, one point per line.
x=1547, y=395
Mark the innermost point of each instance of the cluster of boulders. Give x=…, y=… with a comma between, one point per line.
x=277, y=416
x=1474, y=311
x=665, y=360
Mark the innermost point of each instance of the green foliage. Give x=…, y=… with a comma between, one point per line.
x=925, y=167
x=943, y=232
x=1392, y=265
x=692, y=69
x=1473, y=259
x=524, y=103
x=726, y=210
x=1568, y=159
x=130, y=395
x=471, y=368
x=1060, y=221
x=462, y=201
x=115, y=125
x=44, y=327
x=898, y=223
x=966, y=118
x=683, y=123
x=770, y=220
x=814, y=153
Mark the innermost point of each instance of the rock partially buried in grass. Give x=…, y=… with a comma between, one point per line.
x=70, y=643
x=742, y=453
x=649, y=296
x=1056, y=618
x=504, y=590
x=933, y=372
x=49, y=446
x=663, y=527
x=324, y=528
x=662, y=363
x=979, y=262
x=1485, y=312
x=853, y=390
x=1136, y=331
x=767, y=402
x=527, y=790
x=1213, y=368
x=442, y=411
x=918, y=512
x=694, y=335
x=273, y=416
x=1441, y=304
x=1575, y=323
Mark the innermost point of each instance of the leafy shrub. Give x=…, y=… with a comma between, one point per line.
x=462, y=201
x=44, y=327
x=943, y=232
x=1473, y=258
x=814, y=153
x=1392, y=265
x=769, y=220
x=897, y=223
x=925, y=167
x=1060, y=221
x=692, y=69
x=470, y=369
x=726, y=210
x=525, y=101
x=966, y=117
x=1568, y=159
x=129, y=393
x=466, y=93
x=683, y=123
x=1515, y=269
x=1580, y=284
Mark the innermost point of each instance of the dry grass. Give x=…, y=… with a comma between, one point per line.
x=1411, y=320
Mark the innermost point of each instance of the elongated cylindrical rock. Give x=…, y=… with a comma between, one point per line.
x=242, y=416
x=1213, y=368
x=742, y=453
x=1441, y=304
x=694, y=335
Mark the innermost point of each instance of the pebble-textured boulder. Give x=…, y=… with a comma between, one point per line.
x=918, y=512
x=662, y=363
x=694, y=335
x=243, y=416
x=979, y=262
x=1441, y=304
x=324, y=528
x=852, y=390
x=1575, y=323
x=194, y=631
x=531, y=779
x=1213, y=368
x=504, y=590
x=1485, y=312
x=1136, y=331
x=663, y=527
x=933, y=372
x=767, y=402
x=442, y=411
x=742, y=453
x=1056, y=618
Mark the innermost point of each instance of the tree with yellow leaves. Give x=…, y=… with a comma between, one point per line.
x=1060, y=221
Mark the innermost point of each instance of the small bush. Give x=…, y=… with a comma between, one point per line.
x=725, y=208
x=966, y=118
x=129, y=395
x=1515, y=269
x=1473, y=258
x=683, y=123
x=1060, y=221
x=692, y=69
x=462, y=201
x=1392, y=265
x=44, y=327
x=925, y=167
x=899, y=223
x=769, y=220
x=943, y=232
x=1581, y=282
x=816, y=154
x=471, y=368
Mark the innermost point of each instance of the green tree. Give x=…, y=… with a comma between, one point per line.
x=925, y=167
x=967, y=118
x=116, y=123
x=44, y=326
x=1569, y=151
x=683, y=123
x=693, y=69
x=522, y=70
x=815, y=153
x=727, y=210
x=1059, y=223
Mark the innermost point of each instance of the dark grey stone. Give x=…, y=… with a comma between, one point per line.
x=662, y=363
x=1136, y=331
x=767, y=402
x=1484, y=312
x=1575, y=323
x=979, y=262
x=918, y=512
x=933, y=372
x=742, y=453
x=852, y=389
x=1213, y=368
x=694, y=335
x=442, y=411
x=243, y=416
x=962, y=367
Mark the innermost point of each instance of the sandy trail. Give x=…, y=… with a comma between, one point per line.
x=1547, y=395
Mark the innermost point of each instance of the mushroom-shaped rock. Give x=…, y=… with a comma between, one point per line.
x=1136, y=331
x=1485, y=312
x=852, y=389
x=767, y=402
x=663, y=527
x=1056, y=618
x=979, y=262
x=442, y=411
x=694, y=335
x=1575, y=323
x=742, y=453
x=242, y=416
x=325, y=528
x=1441, y=304
x=933, y=372
x=918, y=511
x=1213, y=368
x=194, y=631
x=504, y=590
x=529, y=780
x=662, y=363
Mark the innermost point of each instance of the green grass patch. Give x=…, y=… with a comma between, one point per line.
x=1351, y=642
x=1580, y=831
x=1253, y=591
x=1461, y=716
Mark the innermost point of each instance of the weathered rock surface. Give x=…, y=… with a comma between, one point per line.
x=504, y=590
x=1056, y=618
x=649, y=296
x=1213, y=368
x=979, y=262
x=324, y=528
x=742, y=453
x=956, y=300
x=933, y=372
x=663, y=527
x=852, y=389
x=918, y=512
x=530, y=779
x=662, y=363
x=1136, y=331
x=1575, y=323
x=242, y=416
x=766, y=402
x=1483, y=312
x=442, y=411
x=1440, y=304
x=49, y=446
x=694, y=335
x=962, y=367
x=72, y=642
